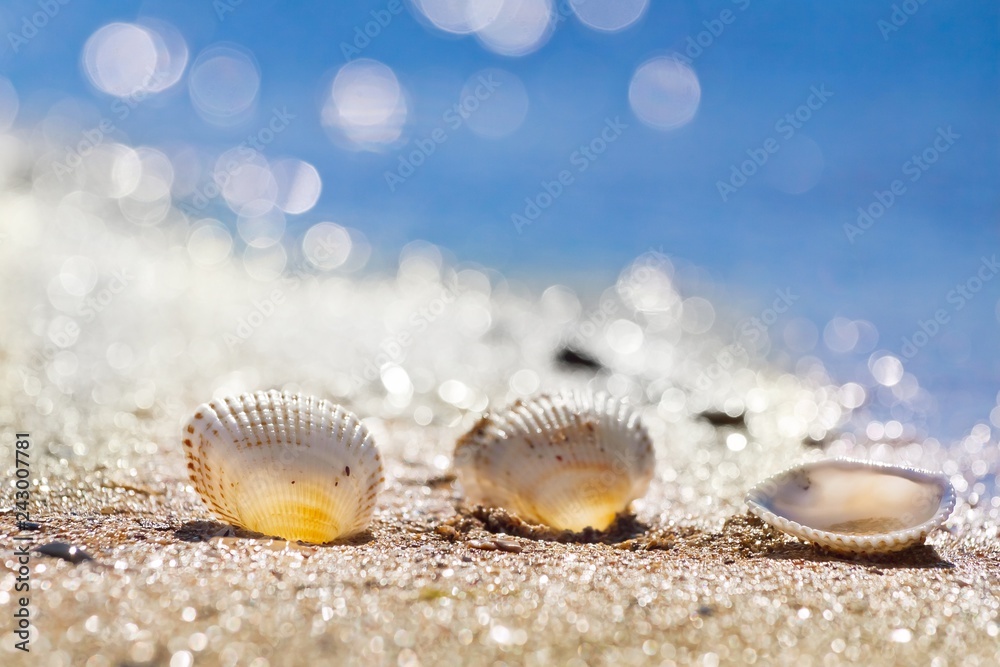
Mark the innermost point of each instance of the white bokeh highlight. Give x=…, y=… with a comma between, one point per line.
x=366, y=105
x=608, y=15
x=210, y=243
x=886, y=369
x=224, y=83
x=299, y=185
x=120, y=59
x=459, y=17
x=519, y=27
x=171, y=54
x=327, y=246
x=665, y=93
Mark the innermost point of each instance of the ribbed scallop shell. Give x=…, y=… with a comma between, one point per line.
x=284, y=464
x=564, y=460
x=852, y=506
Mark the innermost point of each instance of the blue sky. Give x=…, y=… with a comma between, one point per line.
x=892, y=93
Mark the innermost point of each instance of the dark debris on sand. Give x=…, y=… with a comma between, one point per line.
x=65, y=551
x=719, y=418
x=571, y=358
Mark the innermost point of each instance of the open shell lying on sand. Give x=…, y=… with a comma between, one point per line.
x=852, y=506
x=284, y=464
x=564, y=460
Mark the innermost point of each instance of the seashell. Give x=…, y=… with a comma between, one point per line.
x=284, y=464
x=851, y=506
x=563, y=460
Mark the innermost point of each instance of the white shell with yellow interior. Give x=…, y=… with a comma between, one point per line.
x=284, y=464
x=567, y=461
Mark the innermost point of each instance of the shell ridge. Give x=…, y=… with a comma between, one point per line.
x=331, y=421
x=565, y=459
x=275, y=418
x=294, y=488
x=259, y=415
x=196, y=466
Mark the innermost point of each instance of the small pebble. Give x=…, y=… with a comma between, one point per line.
x=508, y=546
x=496, y=545
x=29, y=525
x=485, y=545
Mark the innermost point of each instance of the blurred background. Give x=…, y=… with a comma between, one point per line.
x=828, y=168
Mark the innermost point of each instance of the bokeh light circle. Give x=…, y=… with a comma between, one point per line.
x=886, y=369
x=113, y=170
x=78, y=275
x=842, y=335
x=500, y=103
x=664, y=93
x=697, y=315
x=223, y=83
x=460, y=17
x=156, y=177
x=209, y=243
x=265, y=264
x=171, y=54
x=261, y=230
x=327, y=245
x=624, y=336
x=609, y=15
x=120, y=59
x=366, y=104
x=299, y=185
x=519, y=27
x=246, y=182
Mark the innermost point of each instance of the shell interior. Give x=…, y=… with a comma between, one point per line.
x=854, y=506
x=564, y=460
x=284, y=464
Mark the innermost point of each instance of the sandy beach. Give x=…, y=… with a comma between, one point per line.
x=429, y=585
x=102, y=378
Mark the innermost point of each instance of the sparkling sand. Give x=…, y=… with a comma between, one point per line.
x=117, y=328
